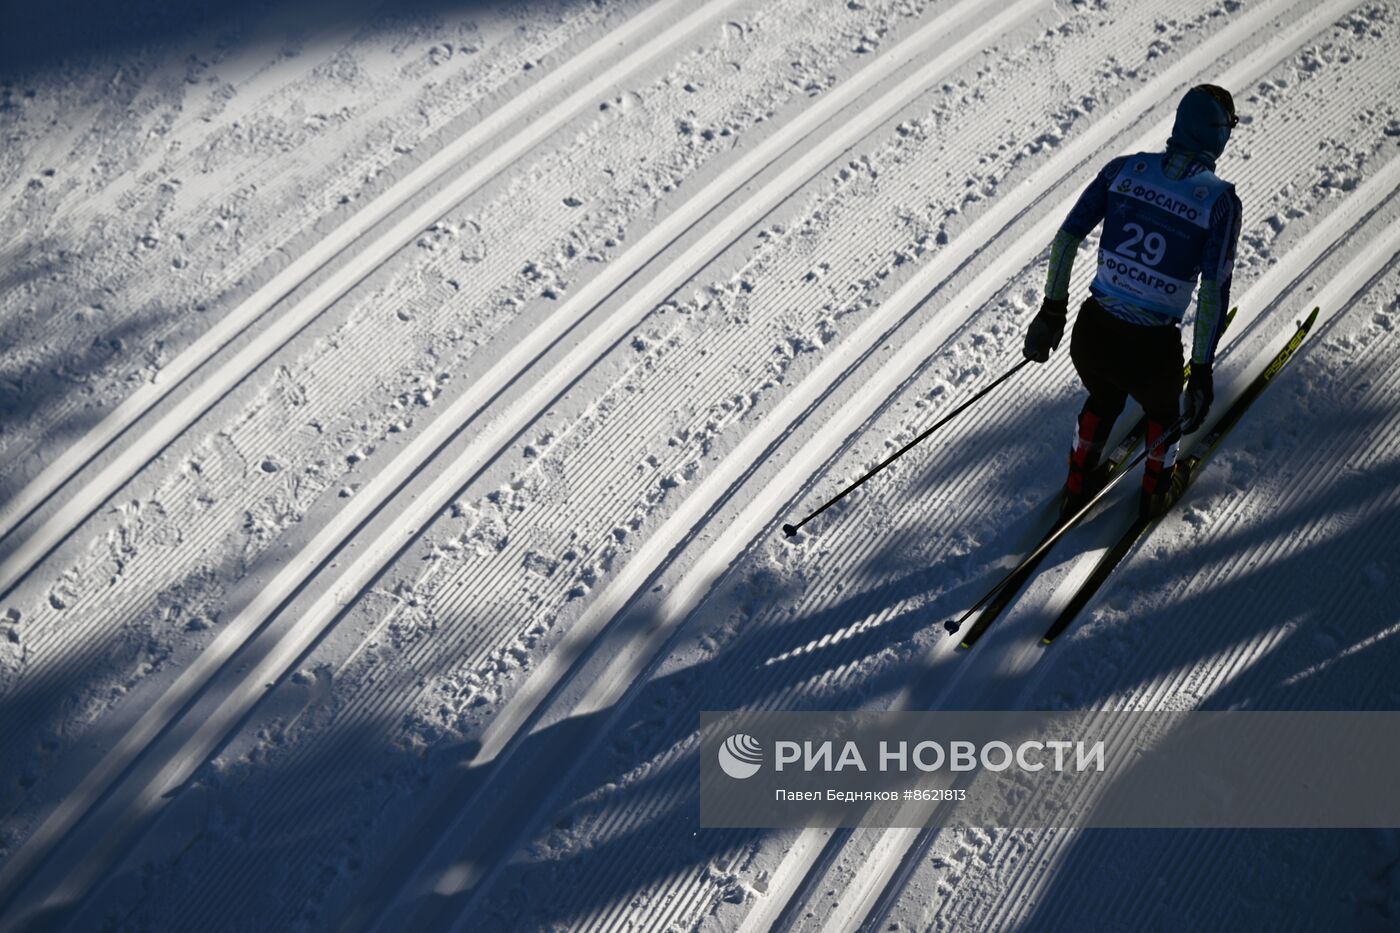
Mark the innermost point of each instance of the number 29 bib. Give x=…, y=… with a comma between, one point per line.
x=1154, y=234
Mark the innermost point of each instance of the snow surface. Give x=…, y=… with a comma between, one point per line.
x=400, y=404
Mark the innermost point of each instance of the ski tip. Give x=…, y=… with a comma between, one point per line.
x=966, y=646
x=1311, y=319
x=790, y=530
x=1046, y=641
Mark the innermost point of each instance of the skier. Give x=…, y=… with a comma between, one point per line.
x=1168, y=218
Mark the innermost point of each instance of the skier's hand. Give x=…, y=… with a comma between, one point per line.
x=1200, y=392
x=1046, y=330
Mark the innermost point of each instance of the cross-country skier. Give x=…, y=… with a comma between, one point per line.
x=1167, y=218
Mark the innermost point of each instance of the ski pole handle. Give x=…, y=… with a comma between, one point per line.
x=791, y=530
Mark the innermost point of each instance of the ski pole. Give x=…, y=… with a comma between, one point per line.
x=791, y=530
x=1168, y=436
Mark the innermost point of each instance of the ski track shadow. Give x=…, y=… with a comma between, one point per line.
x=29, y=703
x=59, y=373
x=542, y=888
x=636, y=758
x=21, y=265
x=296, y=828
x=47, y=43
x=523, y=880
x=43, y=40
x=1324, y=661
x=1359, y=891
x=642, y=765
x=60, y=721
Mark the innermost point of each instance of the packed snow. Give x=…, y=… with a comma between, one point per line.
x=401, y=403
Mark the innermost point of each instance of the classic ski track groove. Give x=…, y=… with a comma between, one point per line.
x=763, y=916
x=41, y=641
x=696, y=892
x=1277, y=50
x=253, y=93
x=273, y=237
x=343, y=238
x=145, y=578
x=421, y=447
x=892, y=831
x=1330, y=233
x=632, y=577
x=371, y=706
x=138, y=451
x=74, y=659
x=382, y=695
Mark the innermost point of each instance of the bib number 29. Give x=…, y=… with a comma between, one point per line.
x=1154, y=245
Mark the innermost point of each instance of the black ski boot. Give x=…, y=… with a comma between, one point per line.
x=1153, y=505
x=1094, y=480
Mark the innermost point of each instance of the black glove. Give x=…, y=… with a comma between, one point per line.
x=1046, y=330
x=1200, y=392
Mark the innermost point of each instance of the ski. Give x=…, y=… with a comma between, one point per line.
x=1011, y=586
x=1192, y=464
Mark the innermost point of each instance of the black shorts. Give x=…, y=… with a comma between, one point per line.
x=1116, y=359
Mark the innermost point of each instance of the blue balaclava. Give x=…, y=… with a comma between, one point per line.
x=1204, y=119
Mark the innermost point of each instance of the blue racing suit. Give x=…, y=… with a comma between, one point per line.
x=1168, y=219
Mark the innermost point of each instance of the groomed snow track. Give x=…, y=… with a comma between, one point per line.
x=390, y=600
